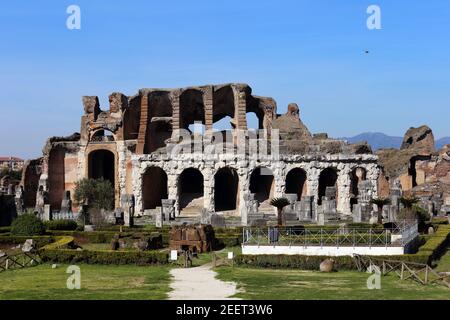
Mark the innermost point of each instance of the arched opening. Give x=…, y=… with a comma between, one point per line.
x=356, y=176
x=226, y=182
x=190, y=191
x=102, y=136
x=160, y=117
x=254, y=121
x=56, y=179
x=224, y=110
x=262, y=185
x=154, y=187
x=192, y=108
x=101, y=165
x=296, y=182
x=328, y=178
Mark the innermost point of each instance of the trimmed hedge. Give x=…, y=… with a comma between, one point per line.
x=436, y=244
x=5, y=230
x=40, y=240
x=104, y=257
x=69, y=225
x=224, y=241
x=64, y=242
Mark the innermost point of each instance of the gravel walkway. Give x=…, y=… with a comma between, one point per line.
x=199, y=283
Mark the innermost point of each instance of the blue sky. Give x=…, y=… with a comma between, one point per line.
x=310, y=52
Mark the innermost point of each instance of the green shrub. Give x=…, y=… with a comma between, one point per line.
x=224, y=241
x=104, y=257
x=69, y=225
x=27, y=225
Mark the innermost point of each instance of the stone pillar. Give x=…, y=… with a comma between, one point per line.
x=143, y=122
x=172, y=190
x=312, y=185
x=175, y=100
x=209, y=108
x=121, y=170
x=344, y=185
x=208, y=189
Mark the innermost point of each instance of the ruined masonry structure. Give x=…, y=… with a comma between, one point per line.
x=132, y=145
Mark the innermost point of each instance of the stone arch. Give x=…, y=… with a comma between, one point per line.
x=191, y=191
x=296, y=182
x=327, y=178
x=262, y=184
x=154, y=187
x=226, y=189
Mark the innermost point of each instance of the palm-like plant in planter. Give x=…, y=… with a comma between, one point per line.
x=279, y=203
x=408, y=202
x=380, y=203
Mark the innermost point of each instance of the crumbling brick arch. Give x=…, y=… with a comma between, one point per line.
x=154, y=187
x=296, y=182
x=192, y=108
x=224, y=106
x=159, y=120
x=327, y=178
x=262, y=184
x=102, y=135
x=190, y=191
x=226, y=189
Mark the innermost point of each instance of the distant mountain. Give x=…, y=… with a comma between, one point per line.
x=378, y=140
x=442, y=142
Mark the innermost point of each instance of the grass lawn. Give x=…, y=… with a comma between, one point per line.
x=267, y=284
x=97, y=282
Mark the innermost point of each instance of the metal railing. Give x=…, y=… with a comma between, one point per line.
x=399, y=235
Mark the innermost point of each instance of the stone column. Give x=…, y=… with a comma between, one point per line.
x=172, y=190
x=344, y=186
x=121, y=170
x=312, y=184
x=244, y=185
x=137, y=172
x=208, y=189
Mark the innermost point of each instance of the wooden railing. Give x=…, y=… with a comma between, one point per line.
x=19, y=260
x=420, y=272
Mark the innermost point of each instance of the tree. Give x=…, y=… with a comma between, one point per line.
x=94, y=195
x=380, y=203
x=409, y=202
x=279, y=203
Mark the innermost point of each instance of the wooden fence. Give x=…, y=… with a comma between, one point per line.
x=19, y=260
x=422, y=273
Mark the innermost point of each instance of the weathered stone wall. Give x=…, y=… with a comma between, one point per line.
x=244, y=167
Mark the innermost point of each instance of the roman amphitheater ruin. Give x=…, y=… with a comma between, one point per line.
x=137, y=145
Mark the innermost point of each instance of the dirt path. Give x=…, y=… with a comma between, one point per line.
x=199, y=283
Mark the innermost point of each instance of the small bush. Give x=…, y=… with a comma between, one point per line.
x=69, y=225
x=27, y=225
